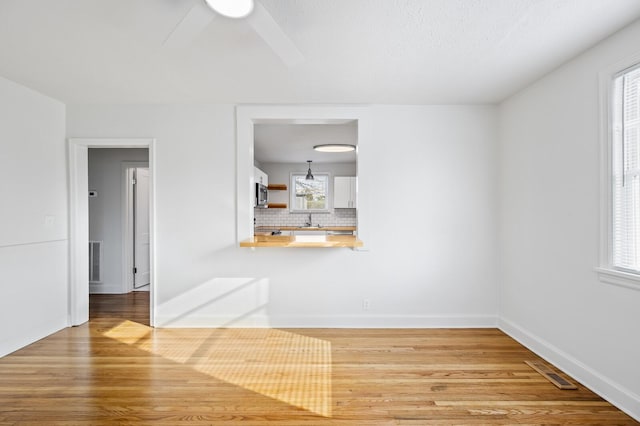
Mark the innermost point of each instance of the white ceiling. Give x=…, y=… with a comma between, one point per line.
x=355, y=51
x=293, y=143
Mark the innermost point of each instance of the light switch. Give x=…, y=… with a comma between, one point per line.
x=93, y=194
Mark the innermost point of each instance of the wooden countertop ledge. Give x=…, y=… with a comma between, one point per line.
x=304, y=228
x=303, y=241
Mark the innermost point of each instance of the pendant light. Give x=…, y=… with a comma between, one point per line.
x=309, y=174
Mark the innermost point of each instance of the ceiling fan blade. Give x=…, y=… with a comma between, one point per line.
x=267, y=28
x=193, y=23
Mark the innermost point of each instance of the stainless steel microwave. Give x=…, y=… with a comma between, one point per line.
x=262, y=195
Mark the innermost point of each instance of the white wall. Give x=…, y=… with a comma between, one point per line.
x=551, y=298
x=106, y=211
x=430, y=179
x=33, y=216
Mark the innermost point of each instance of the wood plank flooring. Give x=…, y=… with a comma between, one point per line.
x=117, y=370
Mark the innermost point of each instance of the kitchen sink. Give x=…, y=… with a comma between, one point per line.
x=310, y=230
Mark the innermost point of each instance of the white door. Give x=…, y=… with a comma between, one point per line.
x=141, y=247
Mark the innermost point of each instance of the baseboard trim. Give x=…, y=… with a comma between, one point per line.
x=354, y=321
x=100, y=288
x=608, y=389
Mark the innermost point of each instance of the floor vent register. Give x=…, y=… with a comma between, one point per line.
x=552, y=376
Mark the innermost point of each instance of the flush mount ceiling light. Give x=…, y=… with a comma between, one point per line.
x=309, y=174
x=231, y=8
x=203, y=12
x=335, y=147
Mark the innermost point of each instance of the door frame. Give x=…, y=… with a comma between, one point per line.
x=127, y=222
x=78, y=151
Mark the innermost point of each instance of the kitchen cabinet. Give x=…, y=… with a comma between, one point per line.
x=345, y=192
x=260, y=176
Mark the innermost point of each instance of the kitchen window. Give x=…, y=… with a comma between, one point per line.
x=620, y=263
x=309, y=195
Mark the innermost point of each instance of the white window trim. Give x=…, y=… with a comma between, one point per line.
x=292, y=196
x=606, y=272
x=619, y=278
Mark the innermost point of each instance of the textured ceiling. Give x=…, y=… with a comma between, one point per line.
x=355, y=51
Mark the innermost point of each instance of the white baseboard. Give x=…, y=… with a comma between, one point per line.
x=354, y=321
x=100, y=288
x=608, y=389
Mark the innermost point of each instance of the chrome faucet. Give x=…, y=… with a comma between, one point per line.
x=309, y=223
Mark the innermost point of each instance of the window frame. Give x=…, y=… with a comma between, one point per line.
x=292, y=193
x=607, y=272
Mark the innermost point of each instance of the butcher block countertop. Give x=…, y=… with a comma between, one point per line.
x=304, y=241
x=261, y=229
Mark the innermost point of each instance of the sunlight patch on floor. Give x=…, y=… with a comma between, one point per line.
x=128, y=332
x=289, y=367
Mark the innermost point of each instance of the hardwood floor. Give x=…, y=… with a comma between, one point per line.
x=117, y=370
x=133, y=306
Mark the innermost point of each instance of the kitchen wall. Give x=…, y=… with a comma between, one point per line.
x=280, y=173
x=427, y=187
x=551, y=298
x=33, y=216
x=106, y=211
x=282, y=217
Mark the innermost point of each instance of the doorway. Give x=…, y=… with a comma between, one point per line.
x=118, y=207
x=79, y=224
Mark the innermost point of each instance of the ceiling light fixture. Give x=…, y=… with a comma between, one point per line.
x=335, y=147
x=309, y=174
x=231, y=8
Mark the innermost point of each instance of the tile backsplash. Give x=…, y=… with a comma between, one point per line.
x=282, y=217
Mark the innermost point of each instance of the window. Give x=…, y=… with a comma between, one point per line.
x=625, y=169
x=310, y=195
x=621, y=258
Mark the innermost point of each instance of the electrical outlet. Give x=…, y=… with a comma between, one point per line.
x=366, y=304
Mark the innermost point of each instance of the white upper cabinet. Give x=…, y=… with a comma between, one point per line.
x=260, y=176
x=345, y=192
